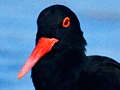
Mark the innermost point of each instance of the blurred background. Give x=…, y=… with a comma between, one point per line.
x=99, y=20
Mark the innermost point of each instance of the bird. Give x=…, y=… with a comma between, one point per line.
x=59, y=62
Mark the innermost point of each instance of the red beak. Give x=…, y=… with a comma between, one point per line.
x=44, y=46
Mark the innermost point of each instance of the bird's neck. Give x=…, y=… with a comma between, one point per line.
x=70, y=57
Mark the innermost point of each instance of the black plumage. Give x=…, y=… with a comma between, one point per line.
x=66, y=67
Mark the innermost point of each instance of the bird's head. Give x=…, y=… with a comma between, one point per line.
x=58, y=28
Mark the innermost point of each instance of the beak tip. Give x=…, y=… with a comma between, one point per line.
x=19, y=76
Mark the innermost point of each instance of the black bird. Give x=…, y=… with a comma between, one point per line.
x=59, y=62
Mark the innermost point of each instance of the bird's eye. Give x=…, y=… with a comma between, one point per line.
x=66, y=22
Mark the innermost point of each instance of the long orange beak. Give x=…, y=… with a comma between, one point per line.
x=44, y=46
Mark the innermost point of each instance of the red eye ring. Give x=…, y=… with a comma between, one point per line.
x=66, y=22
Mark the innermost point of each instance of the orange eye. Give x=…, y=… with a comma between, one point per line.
x=66, y=22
